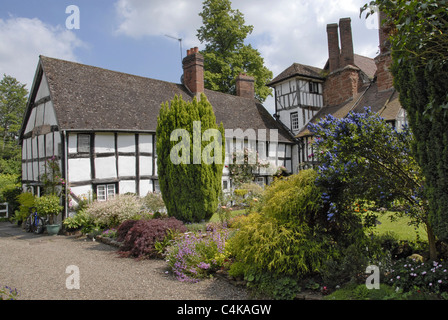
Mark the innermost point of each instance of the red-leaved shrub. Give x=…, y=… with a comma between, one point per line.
x=123, y=229
x=140, y=239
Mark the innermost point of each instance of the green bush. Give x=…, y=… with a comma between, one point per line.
x=113, y=212
x=48, y=206
x=26, y=201
x=80, y=221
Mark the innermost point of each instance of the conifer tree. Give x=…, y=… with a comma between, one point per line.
x=190, y=150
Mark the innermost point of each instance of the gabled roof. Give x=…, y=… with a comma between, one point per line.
x=366, y=64
x=91, y=98
x=297, y=69
x=386, y=103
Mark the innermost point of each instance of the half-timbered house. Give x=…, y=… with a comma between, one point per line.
x=348, y=82
x=100, y=125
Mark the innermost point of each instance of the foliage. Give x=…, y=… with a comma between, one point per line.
x=13, y=96
x=26, y=201
x=141, y=238
x=287, y=237
x=225, y=54
x=48, y=205
x=52, y=180
x=264, y=244
x=110, y=233
x=418, y=45
x=277, y=286
x=190, y=191
x=10, y=188
x=194, y=255
x=362, y=158
x=80, y=221
x=354, y=291
x=8, y=293
x=153, y=202
x=431, y=277
x=113, y=212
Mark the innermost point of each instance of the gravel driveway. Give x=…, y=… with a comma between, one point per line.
x=36, y=265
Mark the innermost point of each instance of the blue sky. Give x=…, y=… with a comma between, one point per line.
x=130, y=35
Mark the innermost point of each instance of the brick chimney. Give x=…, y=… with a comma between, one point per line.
x=343, y=81
x=193, y=65
x=333, y=46
x=384, y=78
x=245, y=86
x=347, y=53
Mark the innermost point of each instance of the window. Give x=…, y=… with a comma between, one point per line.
x=314, y=87
x=105, y=192
x=83, y=143
x=294, y=121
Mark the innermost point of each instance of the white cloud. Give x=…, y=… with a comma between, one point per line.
x=285, y=31
x=23, y=40
x=177, y=18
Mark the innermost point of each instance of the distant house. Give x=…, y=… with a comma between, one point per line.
x=348, y=82
x=100, y=125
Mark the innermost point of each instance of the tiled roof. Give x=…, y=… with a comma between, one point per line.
x=297, y=69
x=92, y=98
x=386, y=103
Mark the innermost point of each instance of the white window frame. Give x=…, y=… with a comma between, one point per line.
x=105, y=192
x=294, y=118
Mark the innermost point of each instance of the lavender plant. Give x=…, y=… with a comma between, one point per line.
x=194, y=255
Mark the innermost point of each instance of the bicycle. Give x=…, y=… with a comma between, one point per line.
x=34, y=223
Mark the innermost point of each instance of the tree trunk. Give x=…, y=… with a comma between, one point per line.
x=432, y=243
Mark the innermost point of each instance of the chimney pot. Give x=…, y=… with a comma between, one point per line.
x=333, y=46
x=193, y=65
x=347, y=53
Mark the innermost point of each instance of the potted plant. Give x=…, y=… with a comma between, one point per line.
x=49, y=206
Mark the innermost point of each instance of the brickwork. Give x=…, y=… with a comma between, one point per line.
x=245, y=86
x=193, y=65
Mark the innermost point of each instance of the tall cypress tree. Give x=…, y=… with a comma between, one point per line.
x=190, y=150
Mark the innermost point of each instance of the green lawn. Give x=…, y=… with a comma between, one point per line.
x=400, y=227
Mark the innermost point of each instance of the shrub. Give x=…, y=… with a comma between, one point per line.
x=48, y=205
x=142, y=235
x=287, y=236
x=80, y=221
x=153, y=202
x=124, y=228
x=429, y=277
x=113, y=212
x=8, y=293
x=269, y=246
x=194, y=255
x=26, y=201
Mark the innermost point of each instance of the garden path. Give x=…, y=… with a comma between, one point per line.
x=36, y=265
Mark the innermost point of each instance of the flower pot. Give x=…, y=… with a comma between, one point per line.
x=53, y=229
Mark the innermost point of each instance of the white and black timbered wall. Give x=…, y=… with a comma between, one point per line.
x=108, y=163
x=297, y=101
x=41, y=139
